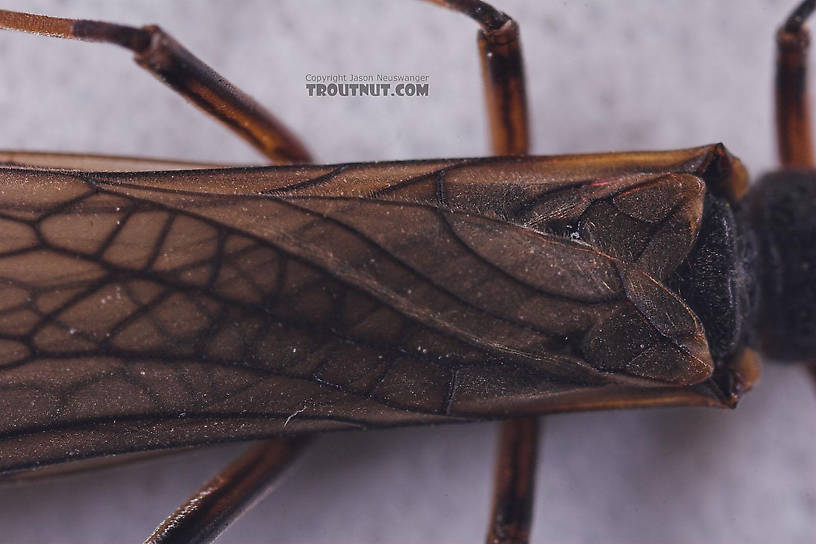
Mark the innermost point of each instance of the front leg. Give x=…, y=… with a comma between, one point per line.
x=158, y=53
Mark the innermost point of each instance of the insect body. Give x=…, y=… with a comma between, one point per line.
x=196, y=235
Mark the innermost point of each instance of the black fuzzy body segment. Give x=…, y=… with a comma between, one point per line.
x=780, y=209
x=716, y=280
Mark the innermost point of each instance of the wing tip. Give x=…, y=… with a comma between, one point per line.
x=686, y=364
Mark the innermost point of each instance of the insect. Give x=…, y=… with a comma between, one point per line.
x=707, y=414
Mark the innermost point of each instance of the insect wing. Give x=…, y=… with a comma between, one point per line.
x=146, y=311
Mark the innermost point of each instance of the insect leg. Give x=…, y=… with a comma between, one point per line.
x=792, y=108
x=505, y=89
x=503, y=73
x=514, y=484
x=169, y=61
x=229, y=494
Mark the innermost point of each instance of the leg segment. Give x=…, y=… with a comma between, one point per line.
x=165, y=58
x=229, y=494
x=503, y=72
x=514, y=482
x=792, y=108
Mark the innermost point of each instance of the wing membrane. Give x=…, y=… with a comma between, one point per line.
x=148, y=310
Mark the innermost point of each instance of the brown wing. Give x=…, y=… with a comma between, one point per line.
x=154, y=310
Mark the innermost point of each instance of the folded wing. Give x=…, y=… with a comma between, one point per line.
x=154, y=310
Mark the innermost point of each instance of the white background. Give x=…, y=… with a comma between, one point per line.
x=633, y=75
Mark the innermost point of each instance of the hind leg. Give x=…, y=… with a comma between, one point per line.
x=793, y=129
